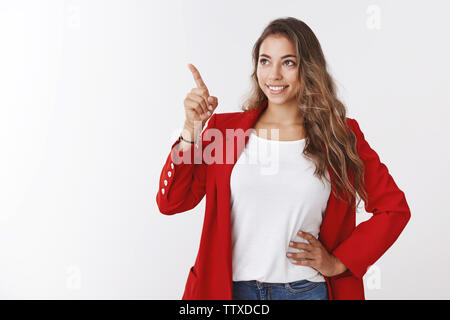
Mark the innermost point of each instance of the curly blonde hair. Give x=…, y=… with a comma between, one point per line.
x=329, y=141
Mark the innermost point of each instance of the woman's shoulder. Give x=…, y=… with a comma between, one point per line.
x=350, y=121
x=352, y=124
x=355, y=127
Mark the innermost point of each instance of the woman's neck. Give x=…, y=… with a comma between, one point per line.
x=282, y=115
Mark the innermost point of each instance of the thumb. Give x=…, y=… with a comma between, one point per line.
x=213, y=101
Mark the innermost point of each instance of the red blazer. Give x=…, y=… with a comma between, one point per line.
x=182, y=186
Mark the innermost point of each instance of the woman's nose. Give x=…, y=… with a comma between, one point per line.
x=275, y=73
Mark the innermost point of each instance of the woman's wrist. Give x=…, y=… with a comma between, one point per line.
x=187, y=137
x=187, y=133
x=192, y=132
x=339, y=266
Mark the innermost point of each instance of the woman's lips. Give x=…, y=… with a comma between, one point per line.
x=277, y=92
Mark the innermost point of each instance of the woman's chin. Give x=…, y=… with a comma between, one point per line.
x=277, y=100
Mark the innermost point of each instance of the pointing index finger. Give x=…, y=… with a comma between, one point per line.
x=197, y=77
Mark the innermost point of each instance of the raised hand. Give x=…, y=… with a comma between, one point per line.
x=198, y=104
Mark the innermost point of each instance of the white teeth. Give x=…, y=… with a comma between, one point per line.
x=276, y=88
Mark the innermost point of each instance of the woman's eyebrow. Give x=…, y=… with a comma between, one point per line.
x=286, y=56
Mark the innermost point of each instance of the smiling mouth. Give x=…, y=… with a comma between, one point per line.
x=277, y=91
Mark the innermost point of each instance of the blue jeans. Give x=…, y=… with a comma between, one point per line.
x=297, y=290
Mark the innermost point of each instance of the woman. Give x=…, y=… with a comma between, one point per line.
x=287, y=230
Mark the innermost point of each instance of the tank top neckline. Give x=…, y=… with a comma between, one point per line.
x=278, y=141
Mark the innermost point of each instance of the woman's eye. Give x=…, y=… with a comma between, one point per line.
x=293, y=63
x=262, y=62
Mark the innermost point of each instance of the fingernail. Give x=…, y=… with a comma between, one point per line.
x=210, y=99
x=209, y=113
x=291, y=243
x=210, y=107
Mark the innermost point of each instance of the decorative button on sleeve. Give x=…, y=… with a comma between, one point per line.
x=183, y=180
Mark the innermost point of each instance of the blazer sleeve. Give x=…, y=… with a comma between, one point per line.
x=182, y=184
x=371, y=238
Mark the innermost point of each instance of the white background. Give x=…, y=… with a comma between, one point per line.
x=91, y=99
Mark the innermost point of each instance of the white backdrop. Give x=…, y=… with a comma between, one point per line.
x=91, y=99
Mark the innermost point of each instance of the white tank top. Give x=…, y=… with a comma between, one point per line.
x=274, y=194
